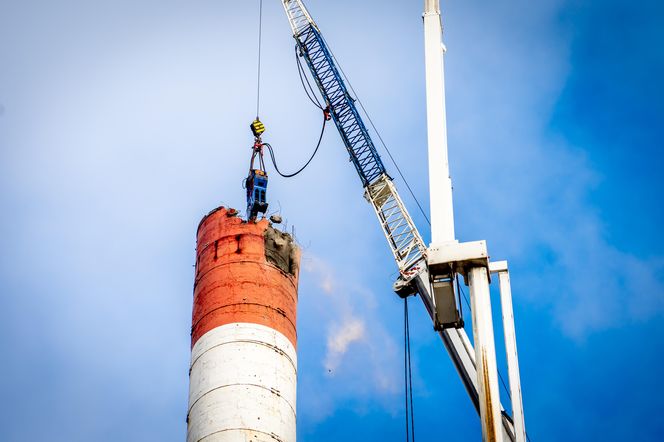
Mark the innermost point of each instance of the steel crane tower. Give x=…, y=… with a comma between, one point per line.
x=430, y=272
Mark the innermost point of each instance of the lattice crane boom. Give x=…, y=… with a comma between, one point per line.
x=404, y=239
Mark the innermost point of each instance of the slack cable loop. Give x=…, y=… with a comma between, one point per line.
x=289, y=175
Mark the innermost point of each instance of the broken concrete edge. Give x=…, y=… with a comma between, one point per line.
x=281, y=249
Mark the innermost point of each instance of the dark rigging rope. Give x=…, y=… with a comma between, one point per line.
x=260, y=35
x=408, y=376
x=303, y=77
x=289, y=175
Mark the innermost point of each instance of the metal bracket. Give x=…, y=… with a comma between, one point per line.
x=454, y=257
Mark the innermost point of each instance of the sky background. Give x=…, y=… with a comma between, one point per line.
x=122, y=123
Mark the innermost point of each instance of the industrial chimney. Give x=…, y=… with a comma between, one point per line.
x=242, y=384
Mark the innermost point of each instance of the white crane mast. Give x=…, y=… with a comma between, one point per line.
x=470, y=258
x=440, y=184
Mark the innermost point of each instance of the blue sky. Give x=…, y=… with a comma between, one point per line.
x=123, y=123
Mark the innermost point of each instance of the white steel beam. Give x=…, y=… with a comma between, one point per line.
x=461, y=351
x=510, y=350
x=485, y=355
x=440, y=183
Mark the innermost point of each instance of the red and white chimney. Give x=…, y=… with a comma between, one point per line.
x=243, y=373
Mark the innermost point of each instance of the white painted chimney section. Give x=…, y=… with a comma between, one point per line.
x=242, y=386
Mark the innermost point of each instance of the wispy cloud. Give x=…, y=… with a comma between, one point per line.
x=360, y=356
x=340, y=336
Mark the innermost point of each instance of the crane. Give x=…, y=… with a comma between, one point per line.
x=430, y=272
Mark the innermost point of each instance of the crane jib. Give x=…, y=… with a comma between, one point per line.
x=344, y=113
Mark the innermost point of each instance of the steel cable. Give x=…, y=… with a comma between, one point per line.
x=260, y=37
x=408, y=376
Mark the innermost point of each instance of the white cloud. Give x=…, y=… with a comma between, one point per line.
x=360, y=359
x=339, y=338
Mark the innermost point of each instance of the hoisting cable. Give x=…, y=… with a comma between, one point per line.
x=258, y=79
x=320, y=138
x=408, y=376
